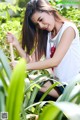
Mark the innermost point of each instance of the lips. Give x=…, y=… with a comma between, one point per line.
x=46, y=28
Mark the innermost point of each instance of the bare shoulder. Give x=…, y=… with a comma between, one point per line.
x=69, y=32
x=67, y=37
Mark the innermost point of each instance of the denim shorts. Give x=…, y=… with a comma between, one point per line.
x=60, y=89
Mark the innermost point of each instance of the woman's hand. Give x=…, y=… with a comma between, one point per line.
x=12, y=39
x=13, y=64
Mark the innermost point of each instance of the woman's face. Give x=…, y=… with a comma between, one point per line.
x=43, y=20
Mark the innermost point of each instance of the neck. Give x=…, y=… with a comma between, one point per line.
x=58, y=26
x=56, y=29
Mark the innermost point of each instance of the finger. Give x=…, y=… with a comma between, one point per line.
x=9, y=32
x=9, y=38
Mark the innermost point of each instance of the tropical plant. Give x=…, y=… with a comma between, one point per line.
x=17, y=94
x=67, y=105
x=14, y=92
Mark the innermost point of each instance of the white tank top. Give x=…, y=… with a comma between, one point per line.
x=69, y=67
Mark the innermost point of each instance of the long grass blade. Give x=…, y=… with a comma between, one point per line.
x=16, y=91
x=68, y=89
x=5, y=64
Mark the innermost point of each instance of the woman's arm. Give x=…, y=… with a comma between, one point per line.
x=60, y=52
x=12, y=39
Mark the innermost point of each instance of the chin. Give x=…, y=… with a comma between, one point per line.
x=50, y=29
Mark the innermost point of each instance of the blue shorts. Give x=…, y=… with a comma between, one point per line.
x=60, y=89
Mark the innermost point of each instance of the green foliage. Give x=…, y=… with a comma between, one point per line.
x=11, y=98
x=69, y=14
x=2, y=98
x=7, y=10
x=68, y=103
x=48, y=113
x=16, y=91
x=5, y=72
x=52, y=110
x=18, y=98
x=67, y=11
x=5, y=64
x=22, y=3
x=11, y=18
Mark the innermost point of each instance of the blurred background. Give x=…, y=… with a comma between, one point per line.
x=12, y=14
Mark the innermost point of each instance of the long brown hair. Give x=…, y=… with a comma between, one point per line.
x=32, y=37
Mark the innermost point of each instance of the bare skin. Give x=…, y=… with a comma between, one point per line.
x=12, y=39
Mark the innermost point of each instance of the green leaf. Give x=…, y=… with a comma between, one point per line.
x=37, y=80
x=5, y=64
x=47, y=92
x=2, y=98
x=4, y=79
x=2, y=101
x=16, y=91
x=66, y=94
x=49, y=113
x=71, y=110
x=33, y=96
x=53, y=110
x=75, y=94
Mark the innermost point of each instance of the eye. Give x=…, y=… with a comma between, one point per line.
x=40, y=19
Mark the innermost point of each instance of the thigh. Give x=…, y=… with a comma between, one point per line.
x=47, y=98
x=54, y=93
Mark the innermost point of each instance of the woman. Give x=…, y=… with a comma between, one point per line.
x=45, y=32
